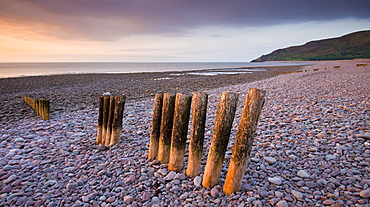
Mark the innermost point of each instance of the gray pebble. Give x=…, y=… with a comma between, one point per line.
x=198, y=181
x=270, y=160
x=303, y=174
x=71, y=185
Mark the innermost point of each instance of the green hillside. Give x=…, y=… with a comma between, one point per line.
x=350, y=46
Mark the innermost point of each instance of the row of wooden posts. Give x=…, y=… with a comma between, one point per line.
x=110, y=119
x=41, y=106
x=170, y=128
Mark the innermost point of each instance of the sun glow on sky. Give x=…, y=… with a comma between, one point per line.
x=39, y=35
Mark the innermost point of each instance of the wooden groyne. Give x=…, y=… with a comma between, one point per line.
x=41, y=106
x=220, y=138
x=169, y=143
x=244, y=140
x=110, y=119
x=198, y=122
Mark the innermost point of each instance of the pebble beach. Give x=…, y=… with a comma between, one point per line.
x=312, y=145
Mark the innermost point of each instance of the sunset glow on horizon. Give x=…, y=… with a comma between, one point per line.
x=196, y=31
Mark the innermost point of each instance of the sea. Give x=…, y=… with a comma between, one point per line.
x=12, y=70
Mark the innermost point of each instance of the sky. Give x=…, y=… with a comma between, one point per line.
x=169, y=30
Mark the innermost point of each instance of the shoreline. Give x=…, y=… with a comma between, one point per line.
x=71, y=92
x=306, y=151
x=77, y=91
x=133, y=67
x=185, y=71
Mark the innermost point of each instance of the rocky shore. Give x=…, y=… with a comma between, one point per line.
x=77, y=91
x=312, y=144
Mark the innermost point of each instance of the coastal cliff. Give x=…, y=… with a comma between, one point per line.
x=351, y=46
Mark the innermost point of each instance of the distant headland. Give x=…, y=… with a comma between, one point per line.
x=351, y=46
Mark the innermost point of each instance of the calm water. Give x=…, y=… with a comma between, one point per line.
x=8, y=70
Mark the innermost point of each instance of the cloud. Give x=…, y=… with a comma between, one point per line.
x=114, y=19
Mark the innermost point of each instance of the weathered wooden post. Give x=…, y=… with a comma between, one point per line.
x=199, y=111
x=99, y=137
x=119, y=104
x=110, y=119
x=41, y=106
x=105, y=117
x=29, y=101
x=166, y=128
x=156, y=126
x=244, y=140
x=220, y=138
x=179, y=131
